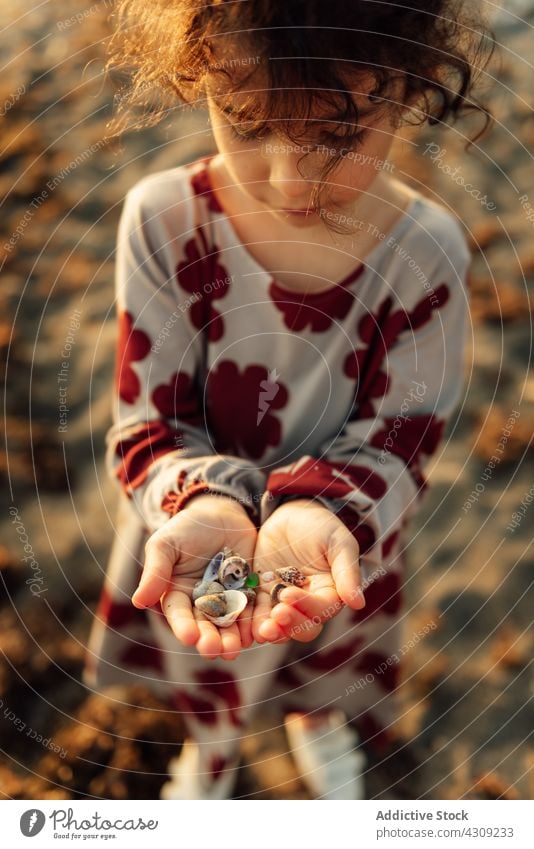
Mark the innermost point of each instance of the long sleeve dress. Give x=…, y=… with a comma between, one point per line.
x=226, y=381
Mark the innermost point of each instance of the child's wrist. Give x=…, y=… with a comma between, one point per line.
x=300, y=500
x=219, y=501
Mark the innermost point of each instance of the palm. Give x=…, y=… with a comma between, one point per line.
x=309, y=536
x=177, y=557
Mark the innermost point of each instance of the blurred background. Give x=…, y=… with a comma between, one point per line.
x=467, y=686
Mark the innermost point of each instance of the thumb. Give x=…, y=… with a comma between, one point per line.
x=344, y=560
x=161, y=554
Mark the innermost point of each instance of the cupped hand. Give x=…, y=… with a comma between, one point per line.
x=176, y=556
x=305, y=534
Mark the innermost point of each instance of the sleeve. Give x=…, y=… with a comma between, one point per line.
x=159, y=448
x=409, y=381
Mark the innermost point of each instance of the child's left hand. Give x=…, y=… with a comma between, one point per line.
x=306, y=534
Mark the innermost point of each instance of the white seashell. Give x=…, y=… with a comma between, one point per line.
x=236, y=602
x=267, y=577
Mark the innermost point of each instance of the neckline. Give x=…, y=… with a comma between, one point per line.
x=398, y=228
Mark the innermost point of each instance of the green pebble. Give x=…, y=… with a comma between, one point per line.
x=252, y=580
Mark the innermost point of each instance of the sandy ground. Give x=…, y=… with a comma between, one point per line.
x=466, y=723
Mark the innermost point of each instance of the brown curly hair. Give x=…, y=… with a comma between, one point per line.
x=312, y=53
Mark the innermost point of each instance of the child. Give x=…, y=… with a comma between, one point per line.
x=291, y=325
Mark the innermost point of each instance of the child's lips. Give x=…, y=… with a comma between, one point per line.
x=299, y=211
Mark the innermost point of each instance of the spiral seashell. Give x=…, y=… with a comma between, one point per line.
x=275, y=592
x=292, y=575
x=234, y=600
x=233, y=572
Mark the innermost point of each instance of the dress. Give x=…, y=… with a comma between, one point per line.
x=225, y=378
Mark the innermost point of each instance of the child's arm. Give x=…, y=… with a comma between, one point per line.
x=159, y=447
x=409, y=359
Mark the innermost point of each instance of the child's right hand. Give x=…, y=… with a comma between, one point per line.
x=176, y=556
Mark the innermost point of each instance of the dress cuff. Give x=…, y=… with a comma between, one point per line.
x=173, y=502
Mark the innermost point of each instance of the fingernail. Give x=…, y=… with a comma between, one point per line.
x=136, y=601
x=360, y=595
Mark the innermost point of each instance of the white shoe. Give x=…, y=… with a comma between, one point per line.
x=327, y=755
x=189, y=782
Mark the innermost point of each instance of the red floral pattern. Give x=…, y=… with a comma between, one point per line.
x=373, y=733
x=415, y=436
x=329, y=479
x=374, y=663
x=177, y=399
x=379, y=331
x=152, y=440
x=140, y=655
x=199, y=709
x=132, y=346
x=203, y=276
x=363, y=533
x=233, y=403
x=218, y=764
x=202, y=187
x=383, y=595
x=331, y=660
x=118, y=614
x=317, y=311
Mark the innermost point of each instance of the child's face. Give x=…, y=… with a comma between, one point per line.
x=265, y=168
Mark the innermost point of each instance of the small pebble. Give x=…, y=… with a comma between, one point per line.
x=267, y=577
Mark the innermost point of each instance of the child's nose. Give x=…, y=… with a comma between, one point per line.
x=285, y=178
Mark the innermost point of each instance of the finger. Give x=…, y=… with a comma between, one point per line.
x=262, y=614
x=160, y=556
x=244, y=624
x=344, y=560
x=179, y=614
x=272, y=632
x=295, y=624
x=322, y=602
x=230, y=642
x=209, y=643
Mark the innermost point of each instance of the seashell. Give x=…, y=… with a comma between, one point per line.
x=267, y=577
x=235, y=603
x=292, y=575
x=206, y=588
x=250, y=594
x=275, y=592
x=212, y=569
x=212, y=606
x=233, y=572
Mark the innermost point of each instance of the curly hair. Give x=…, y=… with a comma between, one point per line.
x=310, y=53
